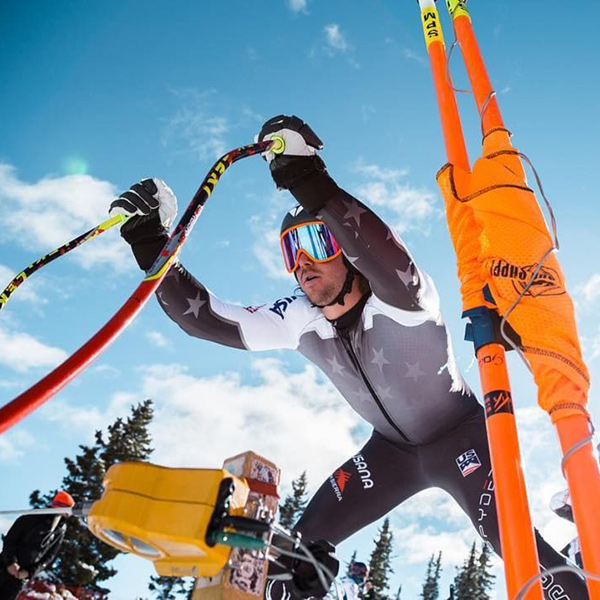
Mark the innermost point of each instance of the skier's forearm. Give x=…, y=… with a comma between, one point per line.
x=186, y=301
x=201, y=314
x=367, y=241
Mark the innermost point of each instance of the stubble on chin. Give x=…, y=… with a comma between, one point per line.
x=323, y=297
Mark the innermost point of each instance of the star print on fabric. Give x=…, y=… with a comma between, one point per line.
x=384, y=393
x=407, y=278
x=354, y=211
x=352, y=259
x=362, y=396
x=161, y=299
x=414, y=371
x=379, y=359
x=354, y=231
x=338, y=368
x=195, y=304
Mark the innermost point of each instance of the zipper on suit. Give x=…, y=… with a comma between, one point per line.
x=345, y=337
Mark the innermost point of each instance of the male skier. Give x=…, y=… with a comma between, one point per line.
x=370, y=319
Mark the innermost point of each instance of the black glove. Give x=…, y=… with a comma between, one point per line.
x=151, y=207
x=305, y=579
x=299, y=162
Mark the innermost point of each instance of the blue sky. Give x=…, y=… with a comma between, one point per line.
x=97, y=95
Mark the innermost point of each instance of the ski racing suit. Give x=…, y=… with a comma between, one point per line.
x=391, y=359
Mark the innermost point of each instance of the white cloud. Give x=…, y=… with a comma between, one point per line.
x=417, y=543
x=26, y=292
x=412, y=55
x=194, y=128
x=265, y=228
x=298, y=6
x=336, y=40
x=294, y=419
x=44, y=215
x=589, y=291
x=158, y=339
x=366, y=111
x=386, y=188
x=109, y=370
x=13, y=445
x=21, y=352
x=80, y=418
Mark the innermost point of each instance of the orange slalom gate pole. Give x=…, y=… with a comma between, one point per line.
x=454, y=141
x=516, y=532
x=517, y=540
x=478, y=76
x=581, y=468
x=583, y=479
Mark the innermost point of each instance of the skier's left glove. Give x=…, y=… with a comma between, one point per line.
x=298, y=162
x=305, y=579
x=152, y=207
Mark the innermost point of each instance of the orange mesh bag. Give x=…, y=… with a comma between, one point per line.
x=500, y=236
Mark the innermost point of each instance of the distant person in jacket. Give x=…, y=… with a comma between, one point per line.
x=30, y=546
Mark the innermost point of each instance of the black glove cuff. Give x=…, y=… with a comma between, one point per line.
x=147, y=236
x=306, y=582
x=314, y=194
x=289, y=172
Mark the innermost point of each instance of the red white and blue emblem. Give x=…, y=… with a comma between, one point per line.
x=468, y=462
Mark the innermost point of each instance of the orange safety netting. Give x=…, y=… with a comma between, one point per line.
x=500, y=236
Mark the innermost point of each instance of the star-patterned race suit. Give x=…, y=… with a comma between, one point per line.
x=391, y=359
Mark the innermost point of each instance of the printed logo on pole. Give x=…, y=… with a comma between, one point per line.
x=468, y=462
x=498, y=401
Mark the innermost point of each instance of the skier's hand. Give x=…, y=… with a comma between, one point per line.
x=298, y=162
x=141, y=199
x=305, y=579
x=13, y=569
x=23, y=574
x=152, y=206
x=298, y=137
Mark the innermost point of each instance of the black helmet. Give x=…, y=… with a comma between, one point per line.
x=296, y=216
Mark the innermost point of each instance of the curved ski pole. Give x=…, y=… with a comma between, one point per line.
x=43, y=390
x=60, y=251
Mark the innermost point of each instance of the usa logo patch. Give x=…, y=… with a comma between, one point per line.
x=468, y=462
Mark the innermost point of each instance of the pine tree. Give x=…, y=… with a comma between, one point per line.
x=294, y=504
x=83, y=558
x=431, y=587
x=465, y=582
x=169, y=588
x=380, y=563
x=485, y=579
x=349, y=563
x=473, y=581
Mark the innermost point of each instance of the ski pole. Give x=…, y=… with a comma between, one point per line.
x=79, y=510
x=43, y=390
x=60, y=251
x=580, y=466
x=516, y=532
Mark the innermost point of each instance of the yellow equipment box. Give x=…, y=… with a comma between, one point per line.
x=162, y=514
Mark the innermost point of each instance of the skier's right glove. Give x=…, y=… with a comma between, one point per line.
x=305, y=579
x=299, y=162
x=152, y=207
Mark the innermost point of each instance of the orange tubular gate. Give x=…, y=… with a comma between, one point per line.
x=516, y=531
x=580, y=466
